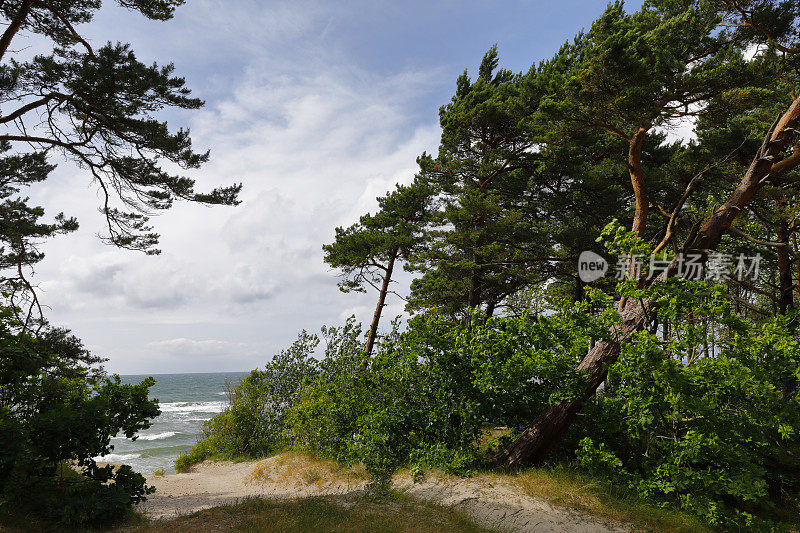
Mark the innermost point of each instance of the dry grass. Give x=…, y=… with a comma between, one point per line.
x=558, y=486
x=564, y=488
x=318, y=514
x=291, y=468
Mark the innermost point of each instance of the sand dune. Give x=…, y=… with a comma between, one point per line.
x=499, y=504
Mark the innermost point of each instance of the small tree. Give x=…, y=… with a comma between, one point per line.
x=366, y=252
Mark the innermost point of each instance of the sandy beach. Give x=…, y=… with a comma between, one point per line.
x=496, y=503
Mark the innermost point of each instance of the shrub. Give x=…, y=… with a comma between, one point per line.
x=431, y=389
x=458, y=462
x=205, y=449
x=706, y=419
x=57, y=409
x=254, y=423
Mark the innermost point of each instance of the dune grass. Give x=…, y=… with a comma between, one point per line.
x=566, y=488
x=318, y=514
x=560, y=486
x=299, y=468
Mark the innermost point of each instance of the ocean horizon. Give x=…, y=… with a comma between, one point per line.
x=187, y=401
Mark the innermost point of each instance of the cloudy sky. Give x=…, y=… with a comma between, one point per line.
x=317, y=108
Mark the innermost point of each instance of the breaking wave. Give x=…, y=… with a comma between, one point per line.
x=116, y=457
x=192, y=407
x=158, y=436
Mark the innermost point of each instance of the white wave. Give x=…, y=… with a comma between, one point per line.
x=116, y=457
x=192, y=407
x=196, y=419
x=221, y=393
x=158, y=436
x=155, y=436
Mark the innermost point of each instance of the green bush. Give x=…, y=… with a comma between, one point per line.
x=458, y=462
x=57, y=408
x=254, y=423
x=431, y=389
x=706, y=420
x=205, y=449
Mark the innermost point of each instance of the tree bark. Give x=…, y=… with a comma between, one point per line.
x=376, y=318
x=797, y=263
x=533, y=445
x=786, y=287
x=473, y=295
x=14, y=26
x=491, y=305
x=637, y=180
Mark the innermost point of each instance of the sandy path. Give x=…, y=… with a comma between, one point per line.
x=497, y=504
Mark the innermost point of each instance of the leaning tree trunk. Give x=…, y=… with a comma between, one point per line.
x=533, y=445
x=376, y=318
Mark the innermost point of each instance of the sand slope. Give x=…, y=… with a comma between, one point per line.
x=498, y=504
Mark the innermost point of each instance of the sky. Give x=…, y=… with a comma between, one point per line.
x=317, y=108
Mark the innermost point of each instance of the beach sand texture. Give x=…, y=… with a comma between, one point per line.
x=497, y=504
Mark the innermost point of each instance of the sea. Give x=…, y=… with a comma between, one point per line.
x=186, y=402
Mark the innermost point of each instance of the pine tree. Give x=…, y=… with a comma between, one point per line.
x=367, y=252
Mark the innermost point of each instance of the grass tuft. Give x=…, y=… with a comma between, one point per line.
x=566, y=488
x=301, y=469
x=318, y=514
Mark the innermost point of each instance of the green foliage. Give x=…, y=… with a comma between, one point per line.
x=704, y=421
x=213, y=446
x=103, y=105
x=424, y=400
x=365, y=250
x=432, y=389
x=617, y=240
x=254, y=424
x=453, y=461
x=488, y=225
x=56, y=410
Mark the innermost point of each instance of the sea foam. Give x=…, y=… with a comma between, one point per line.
x=158, y=436
x=192, y=407
x=116, y=457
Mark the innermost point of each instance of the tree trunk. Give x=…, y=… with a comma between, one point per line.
x=547, y=429
x=376, y=318
x=473, y=296
x=797, y=263
x=786, y=296
x=491, y=305
x=14, y=26
x=533, y=445
x=637, y=180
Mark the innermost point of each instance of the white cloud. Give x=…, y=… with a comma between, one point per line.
x=313, y=147
x=198, y=348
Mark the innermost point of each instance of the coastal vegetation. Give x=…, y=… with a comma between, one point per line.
x=94, y=106
x=677, y=385
x=320, y=514
x=671, y=383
